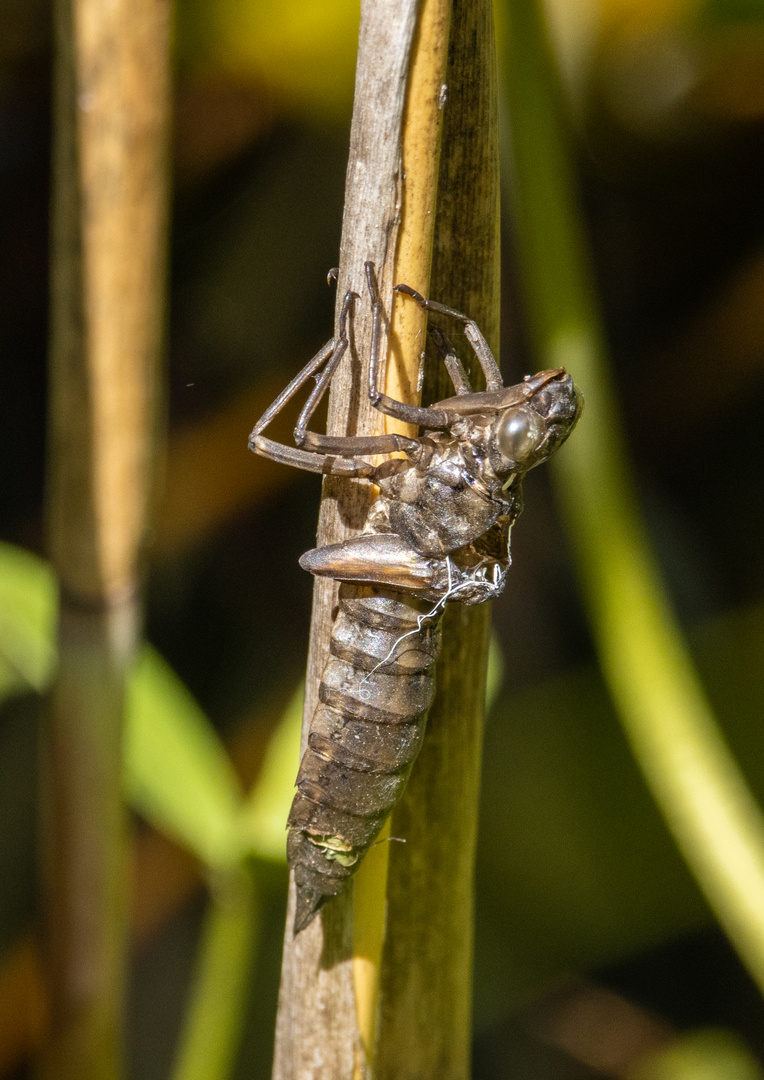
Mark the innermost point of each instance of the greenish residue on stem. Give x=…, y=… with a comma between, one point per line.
x=692, y=774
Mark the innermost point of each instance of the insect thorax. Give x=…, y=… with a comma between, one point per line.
x=442, y=508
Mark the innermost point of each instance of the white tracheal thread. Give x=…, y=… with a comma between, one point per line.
x=389, y=840
x=492, y=588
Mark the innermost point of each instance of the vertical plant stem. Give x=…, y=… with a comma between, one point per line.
x=420, y=155
x=317, y=1034
x=111, y=94
x=425, y=1010
x=662, y=705
x=316, y=1030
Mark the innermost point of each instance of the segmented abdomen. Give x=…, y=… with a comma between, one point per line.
x=366, y=732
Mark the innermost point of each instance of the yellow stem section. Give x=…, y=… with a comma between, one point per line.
x=420, y=154
x=369, y=936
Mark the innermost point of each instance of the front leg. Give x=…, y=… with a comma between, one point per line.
x=452, y=363
x=327, y=464
x=472, y=332
x=409, y=414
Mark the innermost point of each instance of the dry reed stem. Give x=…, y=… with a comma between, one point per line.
x=111, y=95
x=430, y=903
x=316, y=1030
x=426, y=983
x=422, y=124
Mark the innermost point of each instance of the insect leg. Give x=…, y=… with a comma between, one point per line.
x=343, y=445
x=289, y=391
x=333, y=351
x=325, y=463
x=323, y=380
x=493, y=380
x=350, y=445
x=409, y=414
x=453, y=364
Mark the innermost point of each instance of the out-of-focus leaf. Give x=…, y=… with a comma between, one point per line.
x=662, y=704
x=218, y=1001
x=702, y=1055
x=575, y=868
x=10, y=681
x=176, y=771
x=268, y=804
x=303, y=51
x=27, y=618
x=732, y=11
x=495, y=676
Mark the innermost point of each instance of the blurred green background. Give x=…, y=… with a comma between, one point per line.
x=584, y=907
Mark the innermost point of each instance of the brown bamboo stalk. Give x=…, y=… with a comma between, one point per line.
x=110, y=114
x=316, y=1029
x=425, y=1008
x=420, y=152
x=317, y=1033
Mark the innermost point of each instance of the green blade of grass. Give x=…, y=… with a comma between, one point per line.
x=674, y=736
x=28, y=609
x=176, y=771
x=211, y=1035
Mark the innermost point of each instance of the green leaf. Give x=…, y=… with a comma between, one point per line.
x=28, y=604
x=710, y=1054
x=267, y=807
x=219, y=997
x=176, y=771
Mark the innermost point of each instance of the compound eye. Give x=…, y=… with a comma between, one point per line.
x=519, y=433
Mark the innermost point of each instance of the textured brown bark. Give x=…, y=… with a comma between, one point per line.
x=316, y=1032
x=111, y=99
x=425, y=994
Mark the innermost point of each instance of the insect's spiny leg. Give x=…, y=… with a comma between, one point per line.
x=493, y=379
x=323, y=380
x=409, y=414
x=326, y=464
x=311, y=368
x=453, y=364
x=289, y=392
x=376, y=319
x=350, y=445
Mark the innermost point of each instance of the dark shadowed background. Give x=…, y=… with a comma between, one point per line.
x=590, y=932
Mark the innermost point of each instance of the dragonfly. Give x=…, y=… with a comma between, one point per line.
x=438, y=532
